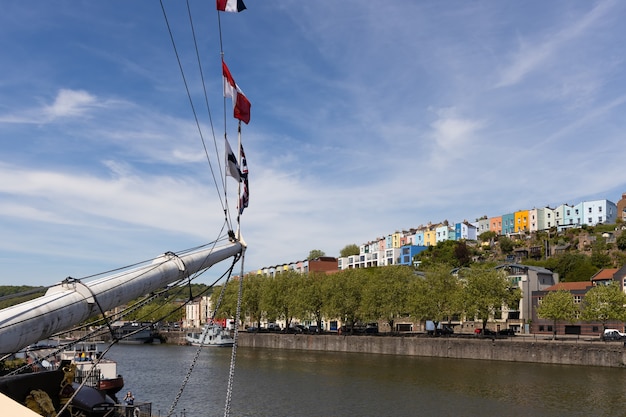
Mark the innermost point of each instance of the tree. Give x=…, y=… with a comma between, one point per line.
x=311, y=296
x=316, y=253
x=437, y=295
x=385, y=295
x=572, y=267
x=506, y=244
x=604, y=303
x=449, y=252
x=343, y=291
x=280, y=296
x=621, y=241
x=557, y=306
x=349, y=250
x=487, y=290
x=487, y=236
x=251, y=298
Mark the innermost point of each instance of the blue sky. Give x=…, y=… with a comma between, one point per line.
x=365, y=120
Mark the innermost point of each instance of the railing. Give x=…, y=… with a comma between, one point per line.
x=136, y=410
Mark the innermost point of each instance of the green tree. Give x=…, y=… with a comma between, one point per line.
x=487, y=236
x=604, y=303
x=349, y=250
x=506, y=244
x=316, y=253
x=280, y=296
x=385, y=295
x=621, y=241
x=343, y=292
x=311, y=296
x=572, y=267
x=600, y=257
x=558, y=306
x=224, y=300
x=437, y=295
x=251, y=298
x=487, y=290
x=449, y=252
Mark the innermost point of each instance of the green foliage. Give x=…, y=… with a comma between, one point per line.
x=315, y=253
x=506, y=244
x=450, y=252
x=605, y=303
x=571, y=267
x=557, y=306
x=385, y=297
x=11, y=295
x=437, y=296
x=621, y=241
x=349, y=250
x=487, y=236
x=487, y=290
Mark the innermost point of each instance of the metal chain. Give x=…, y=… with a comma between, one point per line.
x=231, y=372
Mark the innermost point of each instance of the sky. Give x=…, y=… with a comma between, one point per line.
x=365, y=120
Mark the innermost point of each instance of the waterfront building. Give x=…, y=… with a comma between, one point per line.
x=528, y=279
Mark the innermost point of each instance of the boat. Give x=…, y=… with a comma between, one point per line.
x=87, y=354
x=53, y=390
x=133, y=333
x=211, y=335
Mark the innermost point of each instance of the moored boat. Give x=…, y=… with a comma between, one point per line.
x=211, y=335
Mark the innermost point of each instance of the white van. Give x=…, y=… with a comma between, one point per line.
x=613, y=334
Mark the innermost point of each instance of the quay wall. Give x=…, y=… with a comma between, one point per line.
x=516, y=349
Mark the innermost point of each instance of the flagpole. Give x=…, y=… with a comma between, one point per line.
x=239, y=202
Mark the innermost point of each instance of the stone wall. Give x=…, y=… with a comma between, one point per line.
x=519, y=349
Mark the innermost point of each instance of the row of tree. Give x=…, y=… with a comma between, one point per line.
x=371, y=294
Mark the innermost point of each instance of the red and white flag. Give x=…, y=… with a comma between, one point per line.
x=240, y=101
x=231, y=6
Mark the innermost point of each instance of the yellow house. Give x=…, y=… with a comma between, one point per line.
x=521, y=221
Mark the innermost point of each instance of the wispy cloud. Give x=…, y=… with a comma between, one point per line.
x=535, y=55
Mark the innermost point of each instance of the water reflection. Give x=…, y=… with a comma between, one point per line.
x=299, y=383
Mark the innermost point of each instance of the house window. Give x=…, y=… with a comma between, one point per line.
x=568, y=212
x=589, y=209
x=550, y=328
x=595, y=329
x=600, y=209
x=577, y=299
x=539, y=300
x=590, y=220
x=599, y=219
x=541, y=328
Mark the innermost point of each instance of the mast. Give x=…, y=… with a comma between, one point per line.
x=71, y=302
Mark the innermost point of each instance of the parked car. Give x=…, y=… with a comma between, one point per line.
x=612, y=334
x=484, y=332
x=507, y=332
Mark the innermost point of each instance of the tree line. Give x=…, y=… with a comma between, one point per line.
x=383, y=294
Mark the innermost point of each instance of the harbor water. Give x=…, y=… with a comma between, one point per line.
x=271, y=382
